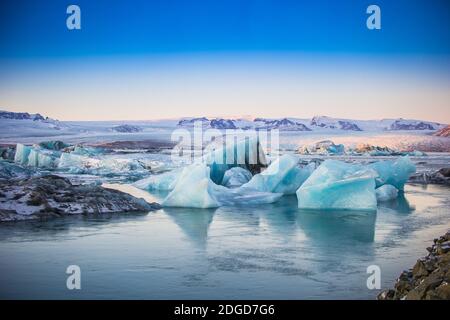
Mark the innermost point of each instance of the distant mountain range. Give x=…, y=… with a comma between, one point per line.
x=20, y=124
x=317, y=123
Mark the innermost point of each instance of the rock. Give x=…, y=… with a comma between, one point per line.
x=445, y=172
x=51, y=195
x=441, y=176
x=429, y=278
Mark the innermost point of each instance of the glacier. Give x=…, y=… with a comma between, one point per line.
x=339, y=186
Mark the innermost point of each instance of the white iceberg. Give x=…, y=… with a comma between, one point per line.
x=236, y=177
x=337, y=185
x=386, y=193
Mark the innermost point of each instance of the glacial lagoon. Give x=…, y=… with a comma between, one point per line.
x=271, y=251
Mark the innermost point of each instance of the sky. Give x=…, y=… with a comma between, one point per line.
x=144, y=60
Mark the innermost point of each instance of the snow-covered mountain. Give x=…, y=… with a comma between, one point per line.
x=414, y=125
x=21, y=116
x=317, y=123
x=280, y=124
x=23, y=120
x=444, y=132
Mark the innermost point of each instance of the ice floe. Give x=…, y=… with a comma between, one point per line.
x=340, y=186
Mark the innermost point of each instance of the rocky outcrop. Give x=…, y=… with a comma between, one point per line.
x=429, y=279
x=126, y=128
x=441, y=176
x=444, y=132
x=53, y=196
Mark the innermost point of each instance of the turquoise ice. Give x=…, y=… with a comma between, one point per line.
x=386, y=192
x=236, y=177
x=284, y=175
x=195, y=189
x=339, y=186
x=393, y=172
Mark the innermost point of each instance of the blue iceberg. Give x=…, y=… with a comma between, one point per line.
x=236, y=177
x=22, y=153
x=338, y=185
x=393, y=172
x=386, y=192
x=35, y=156
x=284, y=175
x=246, y=153
x=195, y=189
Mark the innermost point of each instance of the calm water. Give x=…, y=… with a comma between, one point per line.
x=270, y=251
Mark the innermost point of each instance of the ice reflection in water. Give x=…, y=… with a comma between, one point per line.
x=268, y=251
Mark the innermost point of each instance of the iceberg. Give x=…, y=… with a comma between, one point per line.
x=35, y=156
x=246, y=152
x=282, y=176
x=386, y=193
x=326, y=147
x=40, y=158
x=395, y=173
x=195, y=189
x=79, y=164
x=165, y=181
x=236, y=177
x=54, y=145
x=337, y=185
x=22, y=153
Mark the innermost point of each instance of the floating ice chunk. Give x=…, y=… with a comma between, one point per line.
x=11, y=170
x=386, y=193
x=165, y=181
x=22, y=153
x=55, y=145
x=340, y=186
x=246, y=153
x=282, y=176
x=87, y=151
x=395, y=172
x=236, y=177
x=42, y=159
x=326, y=147
x=193, y=189
x=77, y=163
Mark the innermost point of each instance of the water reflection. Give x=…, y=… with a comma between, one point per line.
x=193, y=222
x=342, y=226
x=399, y=205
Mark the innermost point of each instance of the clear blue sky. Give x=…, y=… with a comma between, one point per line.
x=179, y=58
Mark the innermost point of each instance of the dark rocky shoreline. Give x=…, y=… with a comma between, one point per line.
x=429, y=279
x=54, y=196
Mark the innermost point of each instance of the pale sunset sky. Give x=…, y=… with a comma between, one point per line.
x=172, y=59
